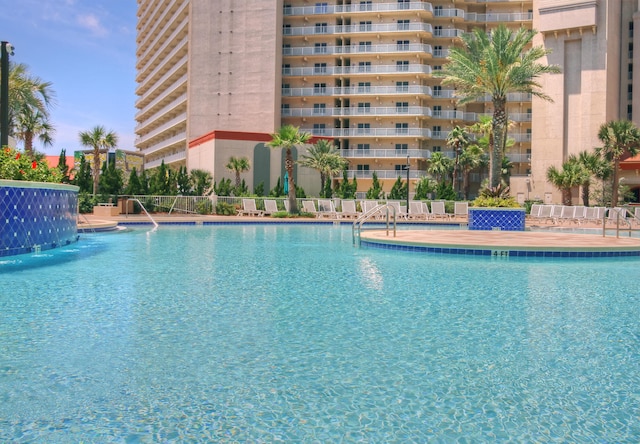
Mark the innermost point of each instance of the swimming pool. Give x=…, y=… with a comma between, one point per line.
x=288, y=333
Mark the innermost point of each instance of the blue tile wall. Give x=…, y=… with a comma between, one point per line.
x=36, y=216
x=494, y=218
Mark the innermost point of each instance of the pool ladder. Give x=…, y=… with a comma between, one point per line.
x=155, y=224
x=390, y=218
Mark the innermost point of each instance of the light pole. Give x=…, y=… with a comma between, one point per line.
x=408, y=165
x=4, y=94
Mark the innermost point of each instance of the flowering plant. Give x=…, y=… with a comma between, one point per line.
x=15, y=165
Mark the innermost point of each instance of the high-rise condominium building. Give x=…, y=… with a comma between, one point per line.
x=215, y=78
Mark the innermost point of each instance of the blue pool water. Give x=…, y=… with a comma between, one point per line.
x=268, y=333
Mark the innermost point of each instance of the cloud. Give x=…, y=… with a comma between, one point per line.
x=92, y=23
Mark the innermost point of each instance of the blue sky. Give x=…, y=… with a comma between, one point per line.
x=86, y=48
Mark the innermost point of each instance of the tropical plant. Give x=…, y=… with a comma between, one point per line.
x=471, y=158
x=572, y=175
x=202, y=182
x=82, y=178
x=111, y=181
x=496, y=64
x=15, y=165
x=183, y=182
x=278, y=190
x=375, y=192
x=99, y=139
x=325, y=158
x=398, y=190
x=288, y=137
x=346, y=189
x=458, y=139
x=497, y=197
x=238, y=165
x=619, y=138
x=133, y=185
x=32, y=123
x=223, y=188
x=425, y=186
x=63, y=167
x=440, y=166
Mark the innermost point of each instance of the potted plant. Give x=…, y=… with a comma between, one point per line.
x=495, y=209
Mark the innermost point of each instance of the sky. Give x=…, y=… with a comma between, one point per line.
x=86, y=49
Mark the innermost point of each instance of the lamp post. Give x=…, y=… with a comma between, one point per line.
x=4, y=94
x=408, y=166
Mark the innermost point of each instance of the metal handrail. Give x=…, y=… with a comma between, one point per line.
x=146, y=212
x=356, y=229
x=621, y=214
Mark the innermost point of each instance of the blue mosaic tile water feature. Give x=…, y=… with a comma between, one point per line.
x=36, y=216
x=506, y=219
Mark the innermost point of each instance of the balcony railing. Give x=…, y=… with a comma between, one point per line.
x=384, y=174
x=499, y=17
x=356, y=69
x=356, y=49
x=358, y=111
x=387, y=154
x=369, y=132
x=359, y=8
x=449, y=33
x=357, y=90
x=449, y=12
x=358, y=28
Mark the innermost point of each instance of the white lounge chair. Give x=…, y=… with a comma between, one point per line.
x=398, y=210
x=309, y=207
x=419, y=210
x=270, y=207
x=438, y=210
x=349, y=210
x=326, y=209
x=461, y=210
x=249, y=208
x=369, y=205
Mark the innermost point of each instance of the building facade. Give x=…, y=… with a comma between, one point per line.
x=216, y=78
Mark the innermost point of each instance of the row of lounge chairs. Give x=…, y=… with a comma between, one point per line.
x=579, y=214
x=349, y=210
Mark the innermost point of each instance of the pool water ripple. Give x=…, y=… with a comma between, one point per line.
x=287, y=333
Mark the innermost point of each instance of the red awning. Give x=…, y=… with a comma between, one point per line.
x=631, y=163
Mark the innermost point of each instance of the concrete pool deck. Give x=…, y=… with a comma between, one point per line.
x=544, y=240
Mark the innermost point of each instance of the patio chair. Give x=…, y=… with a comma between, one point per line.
x=398, y=209
x=369, y=205
x=326, y=208
x=270, y=207
x=309, y=207
x=418, y=210
x=438, y=210
x=349, y=210
x=461, y=210
x=249, y=208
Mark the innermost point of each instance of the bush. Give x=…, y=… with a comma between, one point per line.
x=204, y=207
x=226, y=209
x=86, y=202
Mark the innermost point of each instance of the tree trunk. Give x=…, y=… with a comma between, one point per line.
x=288, y=164
x=465, y=184
x=498, y=129
x=616, y=185
x=585, y=194
x=237, y=180
x=96, y=170
x=28, y=142
x=566, y=196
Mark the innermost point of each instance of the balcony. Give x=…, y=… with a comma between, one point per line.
x=177, y=140
x=369, y=132
x=177, y=157
x=511, y=97
x=449, y=13
x=443, y=93
x=289, y=11
x=356, y=49
x=385, y=154
x=321, y=91
x=356, y=69
x=447, y=33
x=357, y=111
x=384, y=174
x=361, y=28
x=179, y=120
x=500, y=17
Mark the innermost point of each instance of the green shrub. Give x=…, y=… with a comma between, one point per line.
x=86, y=202
x=226, y=209
x=204, y=207
x=496, y=202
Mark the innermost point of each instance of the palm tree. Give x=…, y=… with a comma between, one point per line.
x=595, y=166
x=496, y=65
x=439, y=166
x=572, y=175
x=458, y=139
x=324, y=157
x=238, y=165
x=619, y=138
x=27, y=92
x=99, y=139
x=30, y=123
x=470, y=159
x=287, y=137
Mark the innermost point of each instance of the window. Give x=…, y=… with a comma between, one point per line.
x=402, y=146
x=402, y=65
x=436, y=149
x=402, y=128
x=629, y=91
x=363, y=146
x=403, y=4
x=320, y=48
x=284, y=109
x=437, y=111
x=403, y=25
x=630, y=72
x=437, y=67
x=437, y=11
x=364, y=108
x=286, y=70
x=319, y=128
x=364, y=128
x=320, y=68
x=402, y=107
x=364, y=67
x=437, y=31
x=286, y=89
x=630, y=30
x=286, y=49
x=321, y=8
x=287, y=9
x=437, y=91
x=403, y=45
x=364, y=87
x=402, y=86
x=366, y=6
x=436, y=131
x=362, y=167
x=365, y=26
x=321, y=28
x=364, y=46
x=286, y=29
x=401, y=167
x=437, y=51
x=630, y=54
x=319, y=109
x=319, y=88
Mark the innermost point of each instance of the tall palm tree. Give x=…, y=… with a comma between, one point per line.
x=238, y=165
x=596, y=166
x=458, y=139
x=572, y=175
x=619, y=138
x=470, y=159
x=31, y=122
x=27, y=92
x=439, y=166
x=324, y=157
x=288, y=137
x=496, y=65
x=99, y=139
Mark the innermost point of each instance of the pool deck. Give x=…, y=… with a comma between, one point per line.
x=537, y=241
